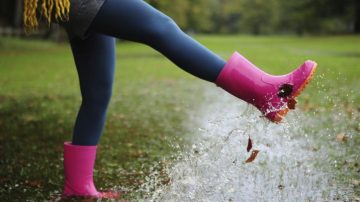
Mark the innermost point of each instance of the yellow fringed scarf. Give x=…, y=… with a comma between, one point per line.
x=60, y=9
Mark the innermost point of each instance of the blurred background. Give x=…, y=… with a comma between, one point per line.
x=230, y=17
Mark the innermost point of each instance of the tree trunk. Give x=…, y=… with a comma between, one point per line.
x=357, y=17
x=18, y=13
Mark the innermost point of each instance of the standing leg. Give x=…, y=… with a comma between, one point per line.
x=95, y=61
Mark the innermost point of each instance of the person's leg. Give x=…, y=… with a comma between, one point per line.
x=135, y=20
x=95, y=60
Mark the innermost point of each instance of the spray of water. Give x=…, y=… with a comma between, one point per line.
x=293, y=163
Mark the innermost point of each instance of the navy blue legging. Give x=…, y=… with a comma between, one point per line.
x=132, y=20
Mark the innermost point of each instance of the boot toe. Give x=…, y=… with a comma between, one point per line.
x=303, y=76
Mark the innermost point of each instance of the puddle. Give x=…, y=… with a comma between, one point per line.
x=293, y=165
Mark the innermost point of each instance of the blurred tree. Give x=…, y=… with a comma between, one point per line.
x=189, y=15
x=176, y=9
x=297, y=16
x=226, y=16
x=356, y=16
x=318, y=16
x=199, y=15
x=7, y=12
x=237, y=16
x=17, y=21
x=258, y=16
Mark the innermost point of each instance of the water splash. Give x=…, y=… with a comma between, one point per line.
x=292, y=164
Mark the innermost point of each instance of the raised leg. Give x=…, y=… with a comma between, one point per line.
x=135, y=20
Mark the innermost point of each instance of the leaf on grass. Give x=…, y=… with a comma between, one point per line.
x=4, y=179
x=166, y=181
x=34, y=183
x=249, y=146
x=355, y=182
x=314, y=149
x=252, y=157
x=357, y=128
x=341, y=137
x=307, y=106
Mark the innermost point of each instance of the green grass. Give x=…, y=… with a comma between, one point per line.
x=39, y=98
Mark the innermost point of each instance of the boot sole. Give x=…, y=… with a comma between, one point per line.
x=282, y=113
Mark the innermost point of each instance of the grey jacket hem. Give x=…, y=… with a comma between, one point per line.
x=82, y=14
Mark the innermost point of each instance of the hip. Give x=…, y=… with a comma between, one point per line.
x=82, y=13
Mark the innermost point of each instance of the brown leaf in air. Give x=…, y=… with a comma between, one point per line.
x=252, y=157
x=249, y=146
x=291, y=103
x=341, y=137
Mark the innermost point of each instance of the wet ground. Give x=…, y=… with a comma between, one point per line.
x=314, y=156
x=298, y=160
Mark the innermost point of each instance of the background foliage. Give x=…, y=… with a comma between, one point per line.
x=240, y=16
x=264, y=16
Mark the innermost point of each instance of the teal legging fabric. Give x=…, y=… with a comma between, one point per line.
x=137, y=21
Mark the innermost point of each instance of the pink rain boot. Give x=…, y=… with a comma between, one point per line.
x=78, y=166
x=272, y=95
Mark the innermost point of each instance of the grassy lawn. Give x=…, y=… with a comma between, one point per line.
x=39, y=98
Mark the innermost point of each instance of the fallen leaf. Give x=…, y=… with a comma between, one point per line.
x=349, y=109
x=307, y=106
x=341, y=137
x=34, y=183
x=314, y=149
x=136, y=153
x=355, y=182
x=357, y=128
x=252, y=157
x=166, y=181
x=3, y=179
x=249, y=146
x=356, y=199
